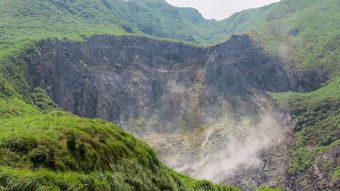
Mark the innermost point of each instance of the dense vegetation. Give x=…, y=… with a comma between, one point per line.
x=317, y=130
x=20, y=23
x=306, y=34
x=59, y=151
x=299, y=24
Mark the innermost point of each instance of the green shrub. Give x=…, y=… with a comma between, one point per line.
x=42, y=158
x=204, y=185
x=42, y=100
x=268, y=189
x=21, y=145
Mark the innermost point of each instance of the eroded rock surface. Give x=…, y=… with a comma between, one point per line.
x=198, y=107
x=122, y=78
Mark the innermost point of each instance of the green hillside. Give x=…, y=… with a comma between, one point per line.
x=310, y=33
x=59, y=151
x=25, y=20
x=306, y=34
x=317, y=130
x=297, y=23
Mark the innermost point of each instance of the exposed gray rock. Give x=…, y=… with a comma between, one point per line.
x=184, y=100
x=119, y=78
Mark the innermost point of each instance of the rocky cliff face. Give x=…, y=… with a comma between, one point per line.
x=122, y=78
x=199, y=107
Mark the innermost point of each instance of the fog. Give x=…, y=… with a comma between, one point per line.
x=200, y=132
x=242, y=147
x=208, y=141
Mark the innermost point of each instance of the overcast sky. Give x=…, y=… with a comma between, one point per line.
x=220, y=9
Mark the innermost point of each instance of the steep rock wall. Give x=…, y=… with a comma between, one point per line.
x=118, y=78
x=189, y=103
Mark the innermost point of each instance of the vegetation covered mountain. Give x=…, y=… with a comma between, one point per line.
x=43, y=148
x=314, y=151
x=68, y=18
x=306, y=35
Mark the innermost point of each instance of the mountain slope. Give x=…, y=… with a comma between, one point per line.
x=305, y=34
x=314, y=151
x=46, y=149
x=45, y=18
x=59, y=151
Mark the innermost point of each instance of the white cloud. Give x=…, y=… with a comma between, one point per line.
x=220, y=9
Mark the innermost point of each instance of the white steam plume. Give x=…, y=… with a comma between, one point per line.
x=230, y=147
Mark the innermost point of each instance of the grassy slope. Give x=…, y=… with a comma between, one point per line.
x=306, y=33
x=46, y=18
x=317, y=116
x=20, y=24
x=59, y=151
x=317, y=38
x=315, y=46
